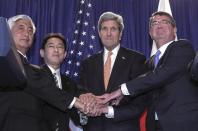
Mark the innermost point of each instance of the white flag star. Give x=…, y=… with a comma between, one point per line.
x=72, y=52
x=81, y=43
x=69, y=62
x=89, y=5
x=78, y=63
x=76, y=32
x=84, y=33
x=67, y=72
x=79, y=53
x=82, y=2
x=86, y=23
x=74, y=41
x=87, y=14
x=80, y=12
x=93, y=37
x=91, y=46
x=78, y=22
x=75, y=74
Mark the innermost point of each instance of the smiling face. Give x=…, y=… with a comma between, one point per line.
x=110, y=34
x=22, y=32
x=54, y=52
x=161, y=30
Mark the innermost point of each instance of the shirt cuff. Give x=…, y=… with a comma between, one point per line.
x=110, y=113
x=72, y=103
x=124, y=89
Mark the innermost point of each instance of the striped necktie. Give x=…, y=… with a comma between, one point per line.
x=56, y=79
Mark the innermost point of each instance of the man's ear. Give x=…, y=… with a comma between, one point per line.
x=65, y=54
x=175, y=30
x=42, y=53
x=120, y=36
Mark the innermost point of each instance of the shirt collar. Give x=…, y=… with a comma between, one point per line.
x=163, y=48
x=54, y=71
x=114, y=51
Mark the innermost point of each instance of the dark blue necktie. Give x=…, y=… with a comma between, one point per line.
x=156, y=59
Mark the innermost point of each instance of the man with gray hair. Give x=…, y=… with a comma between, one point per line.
x=105, y=71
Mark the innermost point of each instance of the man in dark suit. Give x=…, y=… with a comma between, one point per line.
x=53, y=51
x=174, y=98
x=22, y=110
x=125, y=65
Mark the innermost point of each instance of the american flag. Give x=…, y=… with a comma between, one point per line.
x=84, y=41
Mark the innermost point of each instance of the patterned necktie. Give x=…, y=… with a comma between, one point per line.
x=56, y=79
x=107, y=69
x=156, y=59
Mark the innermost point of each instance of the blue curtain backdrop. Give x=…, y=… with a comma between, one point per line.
x=73, y=17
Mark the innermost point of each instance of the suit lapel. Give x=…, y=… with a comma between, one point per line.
x=165, y=55
x=63, y=81
x=100, y=70
x=119, y=64
x=46, y=68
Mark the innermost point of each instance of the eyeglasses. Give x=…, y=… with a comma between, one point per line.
x=56, y=47
x=162, y=22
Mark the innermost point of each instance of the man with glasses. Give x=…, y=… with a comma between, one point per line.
x=54, y=51
x=173, y=103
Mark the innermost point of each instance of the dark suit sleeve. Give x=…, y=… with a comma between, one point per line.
x=132, y=108
x=40, y=85
x=193, y=68
x=83, y=74
x=171, y=66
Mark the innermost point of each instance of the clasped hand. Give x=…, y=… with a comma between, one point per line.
x=92, y=105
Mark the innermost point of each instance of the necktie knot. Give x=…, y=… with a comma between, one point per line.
x=110, y=53
x=156, y=58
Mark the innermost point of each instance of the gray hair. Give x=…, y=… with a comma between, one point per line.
x=12, y=20
x=111, y=16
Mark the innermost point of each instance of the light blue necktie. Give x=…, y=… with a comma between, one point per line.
x=156, y=59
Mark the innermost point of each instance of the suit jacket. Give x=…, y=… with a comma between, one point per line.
x=193, y=67
x=128, y=65
x=22, y=110
x=55, y=116
x=173, y=96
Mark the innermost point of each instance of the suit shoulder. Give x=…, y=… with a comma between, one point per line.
x=92, y=57
x=132, y=52
x=35, y=67
x=66, y=78
x=183, y=42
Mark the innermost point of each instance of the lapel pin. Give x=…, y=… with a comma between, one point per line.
x=123, y=58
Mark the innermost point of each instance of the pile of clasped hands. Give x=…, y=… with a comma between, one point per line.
x=92, y=105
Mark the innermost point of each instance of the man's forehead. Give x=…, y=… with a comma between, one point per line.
x=109, y=22
x=24, y=22
x=161, y=17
